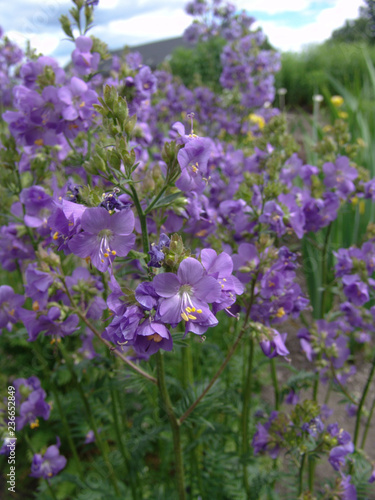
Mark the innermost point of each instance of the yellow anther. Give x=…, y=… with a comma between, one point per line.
x=35, y=306
x=39, y=142
x=195, y=170
x=82, y=104
x=70, y=224
x=224, y=279
x=222, y=286
x=271, y=284
x=193, y=309
x=188, y=309
x=50, y=474
x=184, y=316
x=113, y=252
x=55, y=236
x=11, y=312
x=199, y=311
x=106, y=254
x=280, y=312
x=34, y=424
x=102, y=260
x=190, y=316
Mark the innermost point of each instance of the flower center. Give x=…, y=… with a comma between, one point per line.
x=105, y=236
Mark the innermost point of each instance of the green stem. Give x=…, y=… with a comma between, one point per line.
x=115, y=352
x=343, y=390
x=70, y=144
x=367, y=427
x=125, y=455
x=102, y=445
x=245, y=414
x=60, y=409
x=312, y=465
x=362, y=402
x=324, y=269
x=275, y=383
x=104, y=341
x=175, y=425
x=155, y=200
x=142, y=219
x=300, y=474
x=231, y=351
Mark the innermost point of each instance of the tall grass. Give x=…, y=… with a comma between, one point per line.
x=311, y=71
x=350, y=227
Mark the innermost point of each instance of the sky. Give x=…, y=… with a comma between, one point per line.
x=289, y=24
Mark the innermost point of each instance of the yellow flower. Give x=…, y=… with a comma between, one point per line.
x=343, y=114
x=337, y=101
x=259, y=120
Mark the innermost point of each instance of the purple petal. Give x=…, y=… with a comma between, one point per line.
x=207, y=289
x=170, y=310
x=190, y=271
x=166, y=284
x=84, y=245
x=122, y=244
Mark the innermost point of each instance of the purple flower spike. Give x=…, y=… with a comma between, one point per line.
x=185, y=296
x=10, y=305
x=193, y=160
x=276, y=346
x=49, y=464
x=104, y=236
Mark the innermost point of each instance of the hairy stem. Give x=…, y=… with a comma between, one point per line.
x=142, y=220
x=246, y=412
x=367, y=426
x=174, y=423
x=60, y=408
x=231, y=351
x=104, y=341
x=362, y=402
x=300, y=474
x=275, y=383
x=103, y=445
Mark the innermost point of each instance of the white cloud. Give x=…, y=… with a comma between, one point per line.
x=329, y=19
x=156, y=25
x=42, y=42
x=274, y=6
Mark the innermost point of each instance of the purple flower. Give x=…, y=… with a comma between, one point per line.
x=37, y=286
x=157, y=256
x=50, y=324
x=10, y=304
x=347, y=490
x=83, y=60
x=340, y=176
x=122, y=330
x=104, y=236
x=220, y=267
x=272, y=284
x=185, y=296
x=246, y=261
x=274, y=216
x=262, y=440
x=35, y=406
x=90, y=437
x=276, y=346
x=355, y=290
x=49, y=464
x=152, y=336
x=193, y=160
